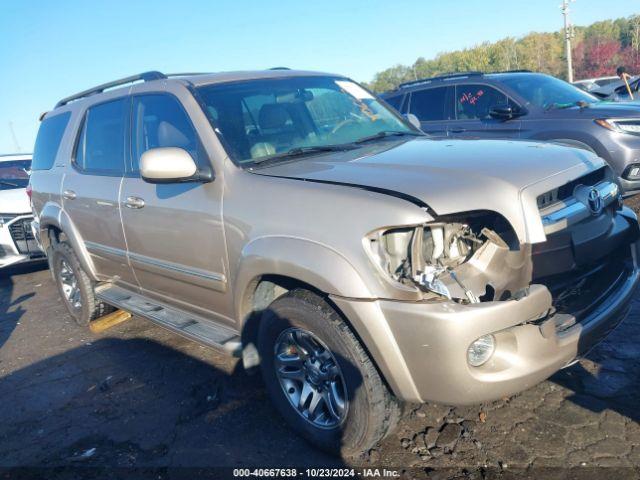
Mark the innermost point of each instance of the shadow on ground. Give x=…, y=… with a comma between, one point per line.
x=136, y=402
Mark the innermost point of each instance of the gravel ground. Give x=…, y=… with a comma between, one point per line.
x=137, y=396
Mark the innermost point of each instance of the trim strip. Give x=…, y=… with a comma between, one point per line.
x=217, y=277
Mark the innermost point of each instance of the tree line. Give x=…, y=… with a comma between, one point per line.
x=598, y=50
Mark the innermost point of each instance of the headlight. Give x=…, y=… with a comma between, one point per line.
x=620, y=125
x=461, y=260
x=480, y=351
x=419, y=256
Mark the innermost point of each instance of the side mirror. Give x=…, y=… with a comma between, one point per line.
x=168, y=165
x=503, y=112
x=413, y=120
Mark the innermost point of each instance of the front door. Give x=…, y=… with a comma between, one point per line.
x=473, y=102
x=91, y=188
x=174, y=232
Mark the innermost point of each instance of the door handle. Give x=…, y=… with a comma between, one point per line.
x=134, y=202
x=69, y=194
x=457, y=130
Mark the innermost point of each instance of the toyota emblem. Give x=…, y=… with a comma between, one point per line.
x=595, y=201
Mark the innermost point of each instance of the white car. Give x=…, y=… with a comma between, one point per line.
x=17, y=243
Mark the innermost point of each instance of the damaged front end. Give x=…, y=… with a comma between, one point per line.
x=469, y=258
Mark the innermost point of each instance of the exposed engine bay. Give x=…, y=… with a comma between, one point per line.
x=464, y=261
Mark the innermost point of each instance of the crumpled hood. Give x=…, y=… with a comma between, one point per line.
x=453, y=176
x=14, y=201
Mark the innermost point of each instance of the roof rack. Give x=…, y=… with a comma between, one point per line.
x=450, y=76
x=187, y=74
x=521, y=70
x=446, y=76
x=146, y=77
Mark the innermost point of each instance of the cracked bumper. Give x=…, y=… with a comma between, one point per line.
x=424, y=355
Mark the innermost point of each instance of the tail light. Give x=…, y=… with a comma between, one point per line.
x=29, y=191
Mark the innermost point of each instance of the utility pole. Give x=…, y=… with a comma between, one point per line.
x=568, y=35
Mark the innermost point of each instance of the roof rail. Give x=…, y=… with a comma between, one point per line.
x=441, y=77
x=520, y=70
x=146, y=77
x=187, y=74
x=279, y=68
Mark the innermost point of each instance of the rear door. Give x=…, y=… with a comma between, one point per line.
x=174, y=231
x=473, y=102
x=91, y=187
x=433, y=107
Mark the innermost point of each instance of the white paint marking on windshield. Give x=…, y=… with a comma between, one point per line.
x=354, y=90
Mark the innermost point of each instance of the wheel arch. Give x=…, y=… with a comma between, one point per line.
x=54, y=221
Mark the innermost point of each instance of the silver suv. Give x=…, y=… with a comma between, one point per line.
x=291, y=219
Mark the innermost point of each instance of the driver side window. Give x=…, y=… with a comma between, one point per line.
x=160, y=121
x=474, y=102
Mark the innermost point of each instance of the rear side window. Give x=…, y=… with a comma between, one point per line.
x=395, y=102
x=160, y=121
x=48, y=141
x=430, y=105
x=101, y=145
x=475, y=101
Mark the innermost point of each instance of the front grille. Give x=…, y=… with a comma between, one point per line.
x=580, y=291
x=566, y=191
x=22, y=236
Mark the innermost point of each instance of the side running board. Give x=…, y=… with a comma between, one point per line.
x=186, y=324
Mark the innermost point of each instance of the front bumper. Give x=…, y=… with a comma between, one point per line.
x=431, y=341
x=17, y=244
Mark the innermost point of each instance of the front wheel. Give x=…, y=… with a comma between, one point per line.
x=75, y=286
x=320, y=378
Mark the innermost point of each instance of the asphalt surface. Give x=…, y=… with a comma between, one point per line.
x=138, y=396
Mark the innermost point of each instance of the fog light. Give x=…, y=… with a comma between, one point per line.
x=632, y=172
x=481, y=350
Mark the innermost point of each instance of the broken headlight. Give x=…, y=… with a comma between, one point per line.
x=461, y=261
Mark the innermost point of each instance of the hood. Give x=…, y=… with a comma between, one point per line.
x=453, y=176
x=603, y=109
x=14, y=201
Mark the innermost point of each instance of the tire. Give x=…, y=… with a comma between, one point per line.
x=65, y=262
x=371, y=411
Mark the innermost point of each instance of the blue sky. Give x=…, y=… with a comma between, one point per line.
x=52, y=48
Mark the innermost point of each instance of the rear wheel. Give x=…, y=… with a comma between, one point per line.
x=320, y=378
x=75, y=286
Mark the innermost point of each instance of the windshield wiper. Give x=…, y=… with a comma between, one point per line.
x=302, y=151
x=561, y=106
x=10, y=184
x=388, y=133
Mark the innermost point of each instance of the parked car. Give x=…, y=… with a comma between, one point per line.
x=17, y=243
x=589, y=84
x=525, y=105
x=291, y=219
x=617, y=91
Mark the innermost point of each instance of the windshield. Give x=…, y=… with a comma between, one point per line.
x=545, y=91
x=266, y=118
x=14, y=174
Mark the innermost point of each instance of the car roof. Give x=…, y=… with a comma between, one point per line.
x=453, y=78
x=237, y=76
x=192, y=79
x=10, y=157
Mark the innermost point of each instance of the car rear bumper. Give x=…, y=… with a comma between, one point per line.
x=428, y=361
x=17, y=243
